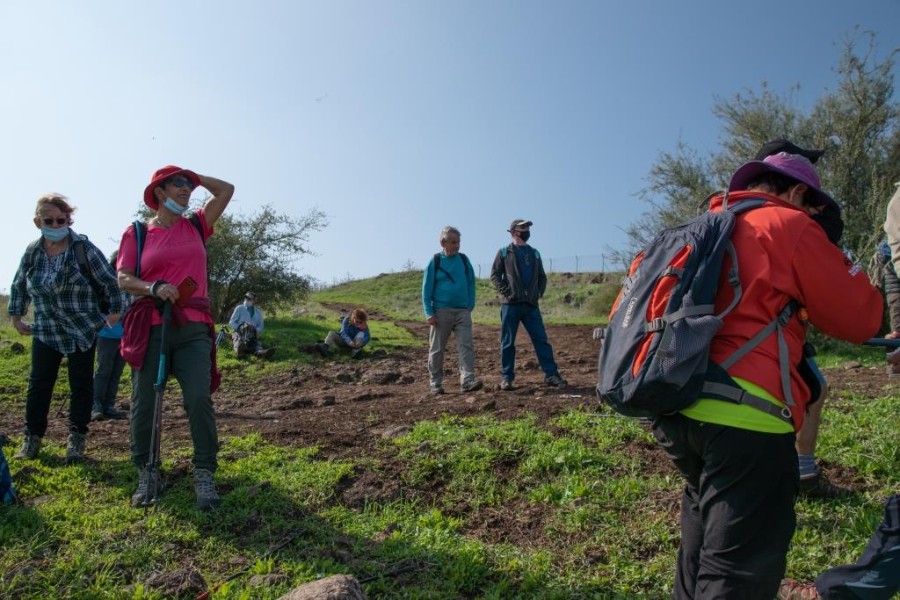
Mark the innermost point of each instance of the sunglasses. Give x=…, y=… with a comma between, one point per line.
x=59, y=220
x=181, y=182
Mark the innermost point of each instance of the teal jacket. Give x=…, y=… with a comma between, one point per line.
x=452, y=285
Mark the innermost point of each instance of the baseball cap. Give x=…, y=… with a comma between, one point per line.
x=519, y=223
x=783, y=145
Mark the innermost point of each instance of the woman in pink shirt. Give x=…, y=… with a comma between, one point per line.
x=169, y=265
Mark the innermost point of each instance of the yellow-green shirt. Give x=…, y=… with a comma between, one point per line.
x=723, y=412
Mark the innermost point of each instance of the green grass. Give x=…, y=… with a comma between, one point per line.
x=590, y=511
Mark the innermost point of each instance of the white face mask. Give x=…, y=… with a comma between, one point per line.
x=174, y=206
x=248, y=303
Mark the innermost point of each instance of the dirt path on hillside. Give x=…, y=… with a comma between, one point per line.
x=346, y=407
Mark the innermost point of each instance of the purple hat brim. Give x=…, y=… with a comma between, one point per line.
x=753, y=169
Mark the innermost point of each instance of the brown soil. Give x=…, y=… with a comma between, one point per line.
x=345, y=407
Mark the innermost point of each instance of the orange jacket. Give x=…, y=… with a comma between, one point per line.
x=783, y=254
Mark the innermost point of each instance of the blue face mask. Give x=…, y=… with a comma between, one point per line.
x=174, y=206
x=55, y=235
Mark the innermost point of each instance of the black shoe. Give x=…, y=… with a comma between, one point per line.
x=113, y=413
x=818, y=487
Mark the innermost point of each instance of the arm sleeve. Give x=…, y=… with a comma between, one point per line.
x=258, y=321
x=498, y=276
x=542, y=276
x=470, y=280
x=18, y=292
x=855, y=313
x=345, y=330
x=892, y=229
x=234, y=321
x=103, y=272
x=428, y=289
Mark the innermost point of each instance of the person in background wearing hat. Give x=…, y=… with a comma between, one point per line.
x=813, y=484
x=739, y=462
x=247, y=323
x=353, y=335
x=518, y=276
x=67, y=315
x=173, y=255
x=110, y=366
x=448, y=298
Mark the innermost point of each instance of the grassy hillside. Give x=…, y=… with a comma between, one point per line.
x=570, y=298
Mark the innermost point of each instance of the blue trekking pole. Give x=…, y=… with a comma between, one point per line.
x=154, y=462
x=882, y=343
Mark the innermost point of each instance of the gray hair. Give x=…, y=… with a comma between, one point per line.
x=448, y=230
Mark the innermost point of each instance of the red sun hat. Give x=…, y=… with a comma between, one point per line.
x=161, y=175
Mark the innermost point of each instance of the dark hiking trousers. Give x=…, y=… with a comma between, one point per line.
x=737, y=509
x=876, y=575
x=45, y=362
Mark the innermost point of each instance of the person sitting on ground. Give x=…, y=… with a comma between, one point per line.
x=448, y=297
x=247, y=323
x=67, y=299
x=353, y=335
x=110, y=365
x=892, y=231
x=886, y=278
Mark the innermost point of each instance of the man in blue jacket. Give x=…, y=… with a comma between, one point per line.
x=448, y=297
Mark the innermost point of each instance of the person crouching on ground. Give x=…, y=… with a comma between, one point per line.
x=173, y=251
x=353, y=335
x=448, y=297
x=247, y=323
x=67, y=316
x=740, y=462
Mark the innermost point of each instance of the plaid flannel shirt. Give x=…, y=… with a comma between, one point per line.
x=67, y=314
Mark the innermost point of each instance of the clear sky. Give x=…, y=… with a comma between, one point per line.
x=393, y=117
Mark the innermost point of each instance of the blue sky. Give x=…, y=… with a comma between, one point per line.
x=394, y=118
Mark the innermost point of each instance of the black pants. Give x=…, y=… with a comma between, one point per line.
x=876, y=575
x=45, y=363
x=737, y=510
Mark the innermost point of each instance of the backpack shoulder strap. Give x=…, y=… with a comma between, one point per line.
x=504, y=251
x=140, y=236
x=437, y=263
x=195, y=221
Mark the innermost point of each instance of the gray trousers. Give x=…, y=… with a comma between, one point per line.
x=451, y=320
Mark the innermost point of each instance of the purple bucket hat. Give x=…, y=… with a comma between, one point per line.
x=790, y=165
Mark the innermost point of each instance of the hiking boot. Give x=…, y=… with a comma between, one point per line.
x=356, y=353
x=267, y=353
x=75, y=448
x=144, y=494
x=506, y=385
x=473, y=385
x=793, y=590
x=818, y=487
x=97, y=413
x=323, y=349
x=114, y=413
x=205, y=486
x=555, y=381
x=30, y=446
x=436, y=390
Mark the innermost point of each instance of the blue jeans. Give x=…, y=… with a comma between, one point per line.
x=529, y=316
x=45, y=362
